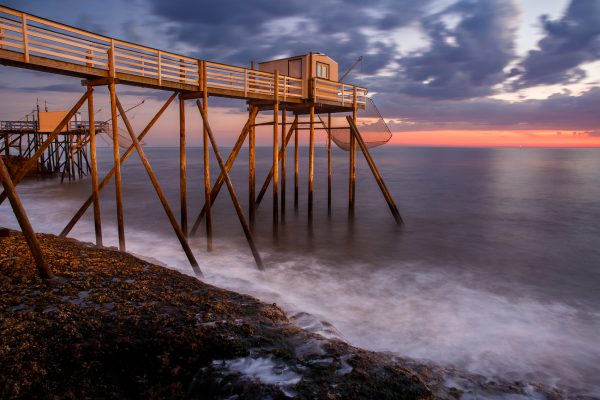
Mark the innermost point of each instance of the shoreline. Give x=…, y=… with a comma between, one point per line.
x=118, y=326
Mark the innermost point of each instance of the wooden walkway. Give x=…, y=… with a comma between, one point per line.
x=36, y=43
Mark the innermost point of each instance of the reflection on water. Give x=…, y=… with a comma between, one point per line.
x=496, y=271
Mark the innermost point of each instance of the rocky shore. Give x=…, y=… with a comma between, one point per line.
x=115, y=326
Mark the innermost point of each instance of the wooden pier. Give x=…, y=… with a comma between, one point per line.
x=309, y=88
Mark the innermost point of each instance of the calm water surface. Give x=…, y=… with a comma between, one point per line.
x=497, y=270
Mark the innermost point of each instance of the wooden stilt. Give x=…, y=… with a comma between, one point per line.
x=311, y=160
x=296, y=163
x=207, y=197
x=33, y=160
x=182, y=167
x=352, y=172
x=275, y=153
x=252, y=169
x=159, y=192
x=234, y=199
x=283, y=161
x=386, y=193
x=111, y=173
x=228, y=164
x=265, y=186
x=94, y=162
x=117, y=166
x=34, y=246
x=329, y=163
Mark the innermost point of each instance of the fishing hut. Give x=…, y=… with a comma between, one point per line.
x=292, y=90
x=65, y=156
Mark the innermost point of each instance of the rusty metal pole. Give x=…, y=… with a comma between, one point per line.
x=34, y=245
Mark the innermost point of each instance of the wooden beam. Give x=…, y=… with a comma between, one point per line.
x=382, y=186
x=32, y=161
x=252, y=168
x=34, y=246
x=283, y=159
x=296, y=162
x=228, y=164
x=275, y=153
x=329, y=169
x=205, y=141
x=117, y=166
x=182, y=167
x=311, y=160
x=234, y=198
x=111, y=173
x=265, y=185
x=352, y=163
x=159, y=192
x=94, y=167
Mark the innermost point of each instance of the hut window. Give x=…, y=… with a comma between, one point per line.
x=322, y=70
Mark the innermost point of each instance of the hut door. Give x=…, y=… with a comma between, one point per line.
x=295, y=68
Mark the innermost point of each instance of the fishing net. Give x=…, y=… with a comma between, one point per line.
x=373, y=128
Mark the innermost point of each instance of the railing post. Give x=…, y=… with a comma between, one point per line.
x=25, y=39
x=159, y=68
x=1, y=37
x=245, y=82
x=90, y=57
x=111, y=59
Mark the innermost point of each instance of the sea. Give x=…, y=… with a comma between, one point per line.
x=496, y=270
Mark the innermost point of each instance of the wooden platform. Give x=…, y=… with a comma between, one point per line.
x=31, y=42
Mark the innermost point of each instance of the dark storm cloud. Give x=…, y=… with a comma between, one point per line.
x=559, y=111
x=237, y=31
x=568, y=42
x=463, y=61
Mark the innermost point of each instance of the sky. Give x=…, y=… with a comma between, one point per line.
x=442, y=72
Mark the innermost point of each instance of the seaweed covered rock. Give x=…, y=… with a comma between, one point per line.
x=114, y=326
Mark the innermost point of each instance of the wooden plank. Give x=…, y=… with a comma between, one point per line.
x=117, y=166
x=206, y=163
x=182, y=167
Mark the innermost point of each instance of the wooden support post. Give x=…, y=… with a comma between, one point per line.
x=205, y=141
x=296, y=163
x=329, y=163
x=265, y=186
x=275, y=152
x=111, y=173
x=94, y=161
x=182, y=166
x=159, y=192
x=32, y=161
x=252, y=168
x=234, y=199
x=386, y=193
x=352, y=172
x=117, y=166
x=228, y=164
x=34, y=246
x=283, y=160
x=311, y=160
x=25, y=37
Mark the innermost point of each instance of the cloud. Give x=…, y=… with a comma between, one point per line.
x=568, y=42
x=466, y=60
x=561, y=111
x=237, y=31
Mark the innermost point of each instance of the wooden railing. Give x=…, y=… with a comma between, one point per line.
x=34, y=36
x=337, y=92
